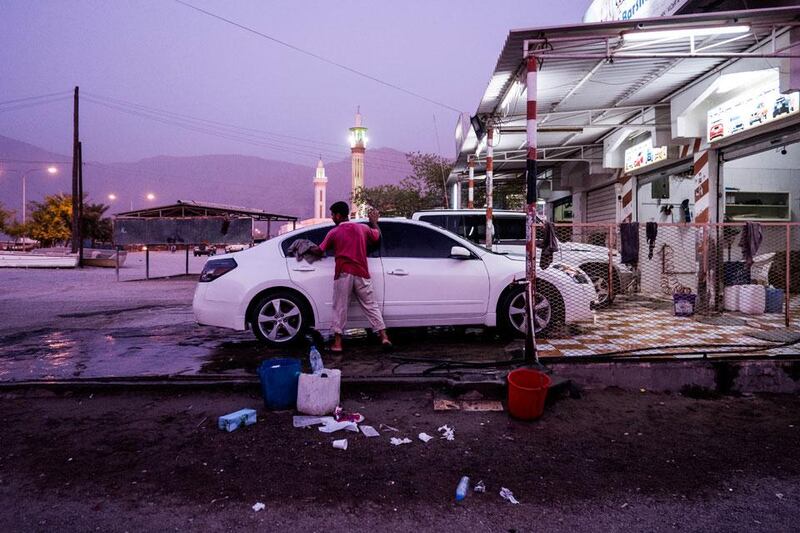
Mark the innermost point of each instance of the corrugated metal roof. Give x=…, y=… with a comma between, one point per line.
x=609, y=80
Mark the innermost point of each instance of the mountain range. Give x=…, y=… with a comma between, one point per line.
x=274, y=186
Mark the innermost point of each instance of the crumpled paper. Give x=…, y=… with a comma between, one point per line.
x=424, y=437
x=447, y=432
x=508, y=495
x=369, y=431
x=259, y=507
x=398, y=442
x=480, y=487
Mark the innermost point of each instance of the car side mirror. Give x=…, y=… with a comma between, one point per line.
x=459, y=252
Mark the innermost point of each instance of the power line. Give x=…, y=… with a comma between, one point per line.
x=24, y=105
x=317, y=56
x=16, y=100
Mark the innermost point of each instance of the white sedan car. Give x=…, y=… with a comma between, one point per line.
x=422, y=276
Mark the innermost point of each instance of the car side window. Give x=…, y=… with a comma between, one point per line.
x=509, y=228
x=315, y=235
x=473, y=228
x=410, y=240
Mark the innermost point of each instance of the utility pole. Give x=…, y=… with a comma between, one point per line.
x=76, y=232
x=80, y=204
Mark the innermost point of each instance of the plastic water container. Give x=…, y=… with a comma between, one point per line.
x=774, y=300
x=683, y=302
x=752, y=299
x=731, y=298
x=318, y=394
x=279, y=382
x=527, y=391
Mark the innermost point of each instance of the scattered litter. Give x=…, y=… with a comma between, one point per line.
x=445, y=404
x=424, y=437
x=624, y=505
x=259, y=507
x=370, y=431
x=466, y=404
x=480, y=487
x=398, y=442
x=203, y=421
x=340, y=444
x=341, y=416
x=447, y=432
x=387, y=427
x=306, y=421
x=332, y=426
x=508, y=495
x=779, y=495
x=232, y=421
x=462, y=488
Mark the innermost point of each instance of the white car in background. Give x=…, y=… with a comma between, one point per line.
x=421, y=274
x=509, y=238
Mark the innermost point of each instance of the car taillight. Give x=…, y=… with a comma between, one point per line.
x=216, y=268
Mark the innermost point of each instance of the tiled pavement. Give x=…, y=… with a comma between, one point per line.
x=638, y=324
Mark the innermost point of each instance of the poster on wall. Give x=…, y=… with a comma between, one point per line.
x=750, y=110
x=610, y=10
x=644, y=154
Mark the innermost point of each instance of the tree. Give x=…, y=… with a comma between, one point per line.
x=51, y=220
x=5, y=217
x=423, y=189
x=93, y=225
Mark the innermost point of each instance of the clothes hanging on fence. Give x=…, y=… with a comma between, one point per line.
x=549, y=244
x=750, y=241
x=651, y=231
x=629, y=237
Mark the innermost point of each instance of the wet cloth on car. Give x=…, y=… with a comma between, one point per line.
x=629, y=240
x=300, y=249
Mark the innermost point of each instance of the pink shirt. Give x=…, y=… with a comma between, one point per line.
x=349, y=242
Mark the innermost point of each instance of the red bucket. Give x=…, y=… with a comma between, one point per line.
x=527, y=391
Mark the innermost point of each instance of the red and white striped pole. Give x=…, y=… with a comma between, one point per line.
x=489, y=184
x=531, y=196
x=471, y=184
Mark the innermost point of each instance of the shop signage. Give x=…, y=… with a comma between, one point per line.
x=610, y=10
x=643, y=154
x=750, y=110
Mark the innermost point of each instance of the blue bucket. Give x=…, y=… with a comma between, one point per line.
x=279, y=382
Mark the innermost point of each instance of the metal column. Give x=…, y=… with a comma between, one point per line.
x=531, y=195
x=489, y=185
x=471, y=183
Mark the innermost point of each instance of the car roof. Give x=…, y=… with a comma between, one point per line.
x=467, y=212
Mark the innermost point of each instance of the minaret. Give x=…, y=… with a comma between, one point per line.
x=358, y=145
x=320, y=184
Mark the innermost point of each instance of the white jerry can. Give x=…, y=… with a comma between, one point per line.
x=318, y=394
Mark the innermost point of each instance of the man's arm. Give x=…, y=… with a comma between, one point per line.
x=375, y=232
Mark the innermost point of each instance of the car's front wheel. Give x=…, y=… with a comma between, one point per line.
x=548, y=310
x=280, y=318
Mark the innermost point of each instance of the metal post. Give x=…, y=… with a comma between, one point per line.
x=116, y=260
x=147, y=263
x=471, y=184
x=531, y=195
x=187, y=259
x=610, y=243
x=489, y=184
x=24, y=175
x=788, y=277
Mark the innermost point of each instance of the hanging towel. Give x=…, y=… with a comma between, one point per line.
x=750, y=241
x=629, y=237
x=549, y=244
x=651, y=231
x=300, y=249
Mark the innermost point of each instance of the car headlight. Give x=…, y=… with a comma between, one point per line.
x=216, y=268
x=576, y=275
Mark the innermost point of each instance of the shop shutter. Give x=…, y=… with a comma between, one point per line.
x=601, y=205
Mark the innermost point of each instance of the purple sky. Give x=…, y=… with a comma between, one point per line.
x=161, y=54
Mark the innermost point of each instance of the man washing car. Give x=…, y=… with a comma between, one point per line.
x=349, y=242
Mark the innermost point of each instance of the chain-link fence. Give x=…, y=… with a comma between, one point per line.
x=673, y=289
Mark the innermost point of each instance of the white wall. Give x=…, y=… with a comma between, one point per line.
x=679, y=190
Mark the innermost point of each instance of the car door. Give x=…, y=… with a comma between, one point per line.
x=423, y=285
x=316, y=279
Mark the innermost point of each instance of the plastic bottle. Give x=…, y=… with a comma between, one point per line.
x=315, y=359
x=462, y=488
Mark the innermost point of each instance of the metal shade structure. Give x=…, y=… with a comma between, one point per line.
x=594, y=79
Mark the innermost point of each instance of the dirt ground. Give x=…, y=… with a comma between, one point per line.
x=608, y=461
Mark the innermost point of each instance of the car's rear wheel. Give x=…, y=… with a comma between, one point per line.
x=280, y=318
x=548, y=310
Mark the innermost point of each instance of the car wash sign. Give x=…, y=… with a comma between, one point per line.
x=749, y=110
x=644, y=154
x=610, y=10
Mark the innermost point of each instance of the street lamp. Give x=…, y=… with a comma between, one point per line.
x=151, y=196
x=50, y=170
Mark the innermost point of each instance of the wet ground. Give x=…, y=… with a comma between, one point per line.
x=608, y=461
